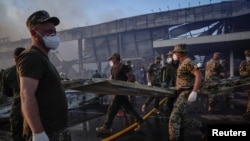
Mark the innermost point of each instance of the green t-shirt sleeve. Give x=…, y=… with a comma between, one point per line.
x=30, y=65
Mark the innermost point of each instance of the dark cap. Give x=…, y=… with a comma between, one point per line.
x=247, y=52
x=18, y=51
x=180, y=48
x=114, y=55
x=39, y=17
x=128, y=62
x=158, y=58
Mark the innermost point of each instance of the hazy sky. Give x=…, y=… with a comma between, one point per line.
x=75, y=13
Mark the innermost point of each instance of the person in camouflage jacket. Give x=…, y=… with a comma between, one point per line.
x=244, y=70
x=213, y=72
x=153, y=79
x=10, y=88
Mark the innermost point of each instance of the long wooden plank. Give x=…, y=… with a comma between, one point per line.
x=116, y=87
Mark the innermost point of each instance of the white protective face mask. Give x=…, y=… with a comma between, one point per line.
x=199, y=65
x=175, y=57
x=169, y=60
x=51, y=41
x=111, y=64
x=248, y=58
x=220, y=61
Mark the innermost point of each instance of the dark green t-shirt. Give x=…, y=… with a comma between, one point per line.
x=50, y=93
x=120, y=72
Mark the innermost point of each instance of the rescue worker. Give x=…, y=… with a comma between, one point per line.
x=244, y=70
x=130, y=67
x=143, y=76
x=43, y=98
x=96, y=74
x=119, y=72
x=132, y=79
x=10, y=88
x=188, y=81
x=213, y=72
x=169, y=77
x=153, y=79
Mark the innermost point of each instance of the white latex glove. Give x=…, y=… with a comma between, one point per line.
x=192, y=96
x=40, y=137
x=143, y=108
x=149, y=84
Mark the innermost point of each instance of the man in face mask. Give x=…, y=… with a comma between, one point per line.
x=154, y=79
x=213, y=72
x=120, y=72
x=40, y=83
x=188, y=80
x=169, y=77
x=244, y=70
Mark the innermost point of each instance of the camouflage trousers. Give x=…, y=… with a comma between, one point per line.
x=63, y=135
x=212, y=101
x=179, y=116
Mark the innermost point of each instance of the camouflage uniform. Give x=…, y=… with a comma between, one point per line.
x=10, y=88
x=244, y=70
x=213, y=72
x=155, y=72
x=184, y=84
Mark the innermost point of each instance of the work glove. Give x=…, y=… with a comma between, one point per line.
x=149, y=84
x=143, y=108
x=192, y=96
x=40, y=137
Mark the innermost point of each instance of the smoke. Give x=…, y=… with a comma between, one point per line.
x=72, y=14
x=77, y=13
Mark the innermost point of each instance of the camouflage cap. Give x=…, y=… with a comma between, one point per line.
x=39, y=17
x=114, y=55
x=217, y=54
x=180, y=48
x=247, y=52
x=170, y=53
x=158, y=58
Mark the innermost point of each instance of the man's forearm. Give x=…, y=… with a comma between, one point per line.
x=31, y=113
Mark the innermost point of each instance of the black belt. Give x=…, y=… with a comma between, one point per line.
x=179, y=90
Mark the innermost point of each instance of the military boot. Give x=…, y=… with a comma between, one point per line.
x=204, y=132
x=181, y=138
